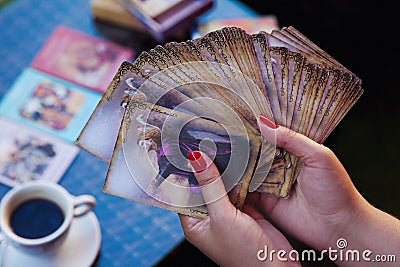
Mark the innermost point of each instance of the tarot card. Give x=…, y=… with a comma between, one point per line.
x=279, y=60
x=315, y=100
x=307, y=100
x=80, y=58
x=294, y=35
x=246, y=62
x=264, y=61
x=150, y=162
x=52, y=105
x=221, y=41
x=101, y=130
x=338, y=96
x=176, y=58
x=215, y=48
x=328, y=82
x=282, y=38
x=99, y=134
x=333, y=78
x=351, y=97
x=295, y=68
x=312, y=98
x=251, y=96
x=308, y=43
x=27, y=154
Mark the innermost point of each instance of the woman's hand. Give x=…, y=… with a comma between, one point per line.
x=322, y=201
x=324, y=206
x=229, y=236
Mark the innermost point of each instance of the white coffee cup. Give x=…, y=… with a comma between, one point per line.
x=71, y=206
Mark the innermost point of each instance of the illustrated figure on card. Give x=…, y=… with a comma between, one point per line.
x=52, y=105
x=168, y=153
x=80, y=58
x=27, y=154
x=158, y=152
x=86, y=62
x=28, y=158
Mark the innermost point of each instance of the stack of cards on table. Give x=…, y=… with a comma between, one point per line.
x=206, y=94
x=54, y=97
x=251, y=25
x=165, y=19
x=114, y=13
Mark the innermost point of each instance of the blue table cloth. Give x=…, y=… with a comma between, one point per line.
x=133, y=234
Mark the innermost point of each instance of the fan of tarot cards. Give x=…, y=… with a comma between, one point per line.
x=206, y=94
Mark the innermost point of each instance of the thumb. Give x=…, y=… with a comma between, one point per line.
x=215, y=197
x=297, y=144
x=212, y=186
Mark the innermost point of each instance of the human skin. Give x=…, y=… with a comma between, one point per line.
x=324, y=206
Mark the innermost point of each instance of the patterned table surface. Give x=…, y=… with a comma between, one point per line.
x=133, y=234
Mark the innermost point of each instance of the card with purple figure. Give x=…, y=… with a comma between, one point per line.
x=150, y=162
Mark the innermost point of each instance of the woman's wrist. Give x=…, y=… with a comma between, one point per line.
x=351, y=223
x=366, y=233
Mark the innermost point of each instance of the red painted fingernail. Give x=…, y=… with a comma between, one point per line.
x=268, y=122
x=194, y=155
x=197, y=161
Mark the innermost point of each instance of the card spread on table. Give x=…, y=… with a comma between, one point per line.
x=225, y=78
x=27, y=154
x=50, y=104
x=81, y=58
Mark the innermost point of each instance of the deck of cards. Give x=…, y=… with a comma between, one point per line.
x=206, y=94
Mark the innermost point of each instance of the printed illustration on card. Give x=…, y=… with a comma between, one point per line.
x=27, y=154
x=50, y=104
x=80, y=58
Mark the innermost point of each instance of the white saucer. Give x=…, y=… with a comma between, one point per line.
x=80, y=248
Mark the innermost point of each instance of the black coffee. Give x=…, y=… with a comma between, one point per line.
x=36, y=218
